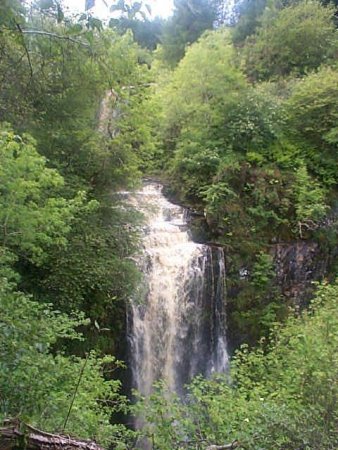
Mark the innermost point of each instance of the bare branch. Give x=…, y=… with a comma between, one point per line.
x=26, y=49
x=139, y=85
x=55, y=36
x=75, y=391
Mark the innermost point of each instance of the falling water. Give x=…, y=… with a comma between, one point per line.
x=177, y=324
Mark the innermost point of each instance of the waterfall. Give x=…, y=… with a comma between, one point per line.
x=176, y=324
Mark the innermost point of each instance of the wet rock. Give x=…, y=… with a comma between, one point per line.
x=298, y=265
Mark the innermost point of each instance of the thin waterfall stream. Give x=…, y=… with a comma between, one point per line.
x=177, y=322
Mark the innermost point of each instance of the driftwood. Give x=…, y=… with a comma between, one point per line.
x=16, y=434
x=231, y=446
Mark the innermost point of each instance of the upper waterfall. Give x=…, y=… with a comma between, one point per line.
x=176, y=326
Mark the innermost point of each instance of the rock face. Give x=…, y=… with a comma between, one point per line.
x=108, y=114
x=298, y=265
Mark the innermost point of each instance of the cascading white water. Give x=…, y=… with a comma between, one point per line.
x=176, y=326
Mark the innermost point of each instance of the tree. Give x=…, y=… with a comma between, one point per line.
x=298, y=40
x=312, y=121
x=55, y=71
x=44, y=387
x=310, y=201
x=147, y=33
x=204, y=90
x=247, y=18
x=190, y=19
x=33, y=216
x=130, y=9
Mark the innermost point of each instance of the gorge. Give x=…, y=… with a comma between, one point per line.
x=110, y=282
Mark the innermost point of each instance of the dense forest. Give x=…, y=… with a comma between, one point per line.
x=234, y=109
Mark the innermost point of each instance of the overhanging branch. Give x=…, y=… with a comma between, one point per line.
x=54, y=36
x=25, y=48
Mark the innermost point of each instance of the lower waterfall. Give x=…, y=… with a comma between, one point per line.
x=176, y=324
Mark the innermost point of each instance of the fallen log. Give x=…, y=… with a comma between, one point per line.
x=16, y=434
x=231, y=446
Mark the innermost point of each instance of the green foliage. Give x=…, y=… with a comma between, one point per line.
x=38, y=385
x=196, y=105
x=263, y=271
x=33, y=216
x=298, y=40
x=131, y=9
x=216, y=195
x=59, y=247
x=71, y=252
x=67, y=137
x=258, y=305
x=259, y=160
x=95, y=274
x=135, y=17
x=310, y=200
x=10, y=12
x=56, y=240
x=248, y=12
x=146, y=33
x=190, y=19
x=280, y=396
x=231, y=151
x=312, y=110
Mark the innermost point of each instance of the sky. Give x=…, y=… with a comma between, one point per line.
x=161, y=8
